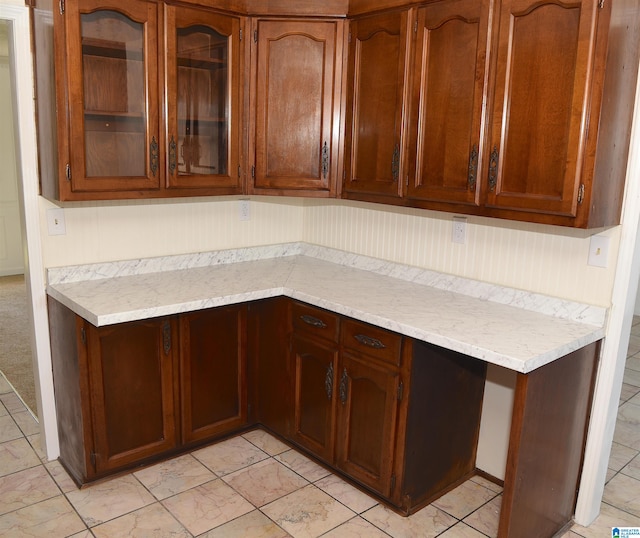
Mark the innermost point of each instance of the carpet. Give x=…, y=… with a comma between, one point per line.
x=15, y=346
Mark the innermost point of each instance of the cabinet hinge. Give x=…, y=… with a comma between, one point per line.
x=67, y=172
x=253, y=171
x=61, y=6
x=349, y=37
x=83, y=336
x=400, y=390
x=415, y=27
x=239, y=171
x=92, y=457
x=600, y=4
x=240, y=34
x=581, y=193
x=255, y=36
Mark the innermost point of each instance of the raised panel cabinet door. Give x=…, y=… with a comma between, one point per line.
x=112, y=78
x=315, y=389
x=376, y=85
x=367, y=416
x=297, y=97
x=213, y=372
x=203, y=99
x=446, y=139
x=540, y=109
x=131, y=376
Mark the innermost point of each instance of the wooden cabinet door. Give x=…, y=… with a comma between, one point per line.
x=296, y=105
x=375, y=102
x=213, y=372
x=315, y=365
x=450, y=70
x=539, y=126
x=112, y=78
x=131, y=377
x=367, y=416
x=203, y=99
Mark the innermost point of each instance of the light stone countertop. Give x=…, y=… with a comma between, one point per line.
x=510, y=328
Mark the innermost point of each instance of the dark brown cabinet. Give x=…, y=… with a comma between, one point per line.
x=296, y=106
x=147, y=102
x=213, y=366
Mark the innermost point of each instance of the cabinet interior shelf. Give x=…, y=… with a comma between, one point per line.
x=110, y=49
x=202, y=63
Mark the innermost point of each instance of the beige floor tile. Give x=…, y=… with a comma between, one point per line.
x=302, y=465
x=466, y=498
x=207, y=506
x=486, y=518
x=265, y=481
x=308, y=512
x=82, y=534
x=17, y=455
x=110, y=499
x=628, y=392
x=5, y=386
x=609, y=517
x=486, y=483
x=48, y=519
x=632, y=469
x=152, y=521
x=266, y=442
x=633, y=363
x=12, y=403
x=351, y=497
x=620, y=455
x=27, y=424
x=9, y=429
x=461, y=530
x=60, y=475
x=174, y=476
x=627, y=430
x=356, y=528
x=26, y=487
x=252, y=525
x=634, y=344
x=635, y=400
x=428, y=522
x=36, y=443
x=610, y=474
x=631, y=377
x=623, y=492
x=230, y=455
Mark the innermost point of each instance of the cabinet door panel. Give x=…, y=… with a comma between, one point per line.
x=367, y=416
x=131, y=377
x=203, y=99
x=213, y=372
x=297, y=91
x=541, y=96
x=314, y=396
x=448, y=101
x=113, y=96
x=376, y=86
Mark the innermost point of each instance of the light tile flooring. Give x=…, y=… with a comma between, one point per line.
x=254, y=486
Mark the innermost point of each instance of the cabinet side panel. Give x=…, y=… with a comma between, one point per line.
x=68, y=379
x=546, y=448
x=443, y=421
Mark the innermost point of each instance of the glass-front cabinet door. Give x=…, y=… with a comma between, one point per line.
x=112, y=74
x=202, y=62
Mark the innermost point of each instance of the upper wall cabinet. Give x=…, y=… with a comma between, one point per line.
x=375, y=105
x=114, y=64
x=295, y=118
x=519, y=109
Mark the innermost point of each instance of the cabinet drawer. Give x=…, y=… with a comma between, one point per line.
x=373, y=341
x=315, y=321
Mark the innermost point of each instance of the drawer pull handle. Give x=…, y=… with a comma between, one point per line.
x=369, y=341
x=328, y=381
x=344, y=382
x=314, y=322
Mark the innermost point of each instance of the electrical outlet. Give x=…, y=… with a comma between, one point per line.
x=245, y=210
x=599, y=251
x=459, y=232
x=55, y=221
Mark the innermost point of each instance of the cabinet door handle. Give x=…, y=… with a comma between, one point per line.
x=328, y=381
x=325, y=160
x=493, y=168
x=153, y=156
x=344, y=382
x=395, y=163
x=473, y=168
x=173, y=160
x=166, y=337
x=313, y=321
x=369, y=341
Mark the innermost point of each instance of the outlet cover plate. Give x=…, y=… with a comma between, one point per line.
x=599, y=251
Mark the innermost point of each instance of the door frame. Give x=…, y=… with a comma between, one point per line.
x=21, y=63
